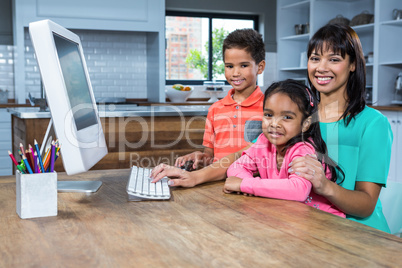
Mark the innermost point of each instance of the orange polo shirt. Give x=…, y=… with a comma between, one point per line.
x=224, y=128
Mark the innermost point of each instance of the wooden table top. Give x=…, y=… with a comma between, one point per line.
x=198, y=227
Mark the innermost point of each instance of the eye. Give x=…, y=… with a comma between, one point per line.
x=287, y=117
x=269, y=115
x=335, y=59
x=244, y=65
x=229, y=66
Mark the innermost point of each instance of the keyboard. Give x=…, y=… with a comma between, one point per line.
x=139, y=185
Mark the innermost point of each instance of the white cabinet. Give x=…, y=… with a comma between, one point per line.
x=5, y=143
x=118, y=15
x=395, y=169
x=383, y=38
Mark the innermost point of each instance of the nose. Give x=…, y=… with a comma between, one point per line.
x=275, y=122
x=321, y=66
x=236, y=71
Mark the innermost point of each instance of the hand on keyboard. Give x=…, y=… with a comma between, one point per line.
x=140, y=185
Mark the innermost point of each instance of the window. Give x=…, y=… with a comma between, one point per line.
x=194, y=45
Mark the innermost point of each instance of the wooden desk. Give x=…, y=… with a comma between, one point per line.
x=199, y=227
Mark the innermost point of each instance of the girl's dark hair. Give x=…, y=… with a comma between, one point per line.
x=344, y=40
x=248, y=39
x=308, y=106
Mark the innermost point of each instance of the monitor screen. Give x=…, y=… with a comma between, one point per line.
x=71, y=100
x=76, y=82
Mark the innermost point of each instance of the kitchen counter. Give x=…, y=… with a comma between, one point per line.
x=123, y=110
x=143, y=135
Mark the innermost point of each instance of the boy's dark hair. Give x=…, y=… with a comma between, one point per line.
x=344, y=40
x=307, y=102
x=248, y=39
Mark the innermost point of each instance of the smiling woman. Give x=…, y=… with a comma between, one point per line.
x=358, y=137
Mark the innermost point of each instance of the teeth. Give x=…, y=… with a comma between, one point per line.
x=324, y=78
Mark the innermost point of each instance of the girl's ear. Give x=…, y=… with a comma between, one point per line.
x=306, y=124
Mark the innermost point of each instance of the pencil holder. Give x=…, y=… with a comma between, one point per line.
x=36, y=194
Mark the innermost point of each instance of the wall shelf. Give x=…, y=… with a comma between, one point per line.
x=383, y=38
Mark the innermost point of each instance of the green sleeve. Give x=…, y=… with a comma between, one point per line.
x=375, y=151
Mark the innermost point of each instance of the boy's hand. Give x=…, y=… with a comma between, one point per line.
x=232, y=185
x=199, y=159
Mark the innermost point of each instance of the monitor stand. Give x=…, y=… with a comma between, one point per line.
x=68, y=186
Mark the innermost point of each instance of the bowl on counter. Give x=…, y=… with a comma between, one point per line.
x=176, y=95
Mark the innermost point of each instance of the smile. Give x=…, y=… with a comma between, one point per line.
x=323, y=80
x=275, y=134
x=237, y=82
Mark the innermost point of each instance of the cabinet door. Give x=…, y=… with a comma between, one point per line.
x=394, y=120
x=5, y=143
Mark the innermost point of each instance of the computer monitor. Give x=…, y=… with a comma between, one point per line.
x=70, y=98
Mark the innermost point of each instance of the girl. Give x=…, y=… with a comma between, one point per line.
x=290, y=130
x=359, y=138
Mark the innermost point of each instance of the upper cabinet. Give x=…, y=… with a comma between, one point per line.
x=122, y=15
x=379, y=31
x=146, y=16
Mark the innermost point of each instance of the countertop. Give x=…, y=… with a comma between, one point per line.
x=123, y=110
x=130, y=110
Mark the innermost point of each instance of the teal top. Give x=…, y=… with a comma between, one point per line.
x=363, y=151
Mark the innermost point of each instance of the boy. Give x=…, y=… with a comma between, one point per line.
x=244, y=57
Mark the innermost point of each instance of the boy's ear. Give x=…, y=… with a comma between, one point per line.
x=261, y=66
x=306, y=124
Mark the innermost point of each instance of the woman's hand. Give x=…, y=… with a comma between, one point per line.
x=311, y=169
x=178, y=177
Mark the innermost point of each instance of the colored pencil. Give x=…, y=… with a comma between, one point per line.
x=27, y=164
x=29, y=157
x=39, y=156
x=21, y=169
x=35, y=157
x=22, y=149
x=13, y=158
x=52, y=156
x=46, y=159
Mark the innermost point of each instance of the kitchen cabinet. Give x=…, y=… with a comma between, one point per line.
x=146, y=16
x=5, y=143
x=395, y=169
x=382, y=37
x=145, y=136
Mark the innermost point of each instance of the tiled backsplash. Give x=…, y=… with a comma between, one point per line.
x=7, y=69
x=116, y=63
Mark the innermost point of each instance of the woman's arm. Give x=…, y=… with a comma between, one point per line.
x=178, y=177
x=359, y=202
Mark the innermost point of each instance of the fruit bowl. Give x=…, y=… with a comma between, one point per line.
x=175, y=95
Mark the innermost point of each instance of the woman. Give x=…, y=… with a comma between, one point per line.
x=358, y=138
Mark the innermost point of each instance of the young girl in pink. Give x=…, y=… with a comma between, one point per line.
x=290, y=130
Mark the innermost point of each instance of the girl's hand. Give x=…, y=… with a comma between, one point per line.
x=178, y=177
x=232, y=185
x=311, y=169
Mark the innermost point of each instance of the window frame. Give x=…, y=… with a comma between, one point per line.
x=210, y=17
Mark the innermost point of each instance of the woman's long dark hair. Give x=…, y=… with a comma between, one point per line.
x=308, y=105
x=344, y=40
